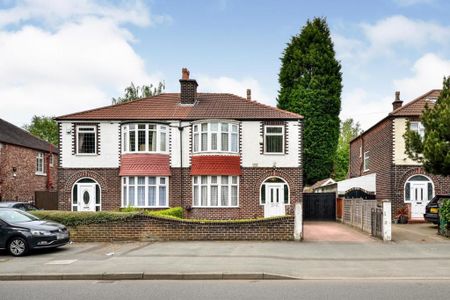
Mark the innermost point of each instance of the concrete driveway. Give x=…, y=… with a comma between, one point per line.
x=334, y=232
x=417, y=233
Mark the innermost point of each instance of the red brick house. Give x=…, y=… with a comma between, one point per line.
x=219, y=156
x=381, y=150
x=27, y=164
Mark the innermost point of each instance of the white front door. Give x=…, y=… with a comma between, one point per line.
x=274, y=200
x=419, y=199
x=86, y=197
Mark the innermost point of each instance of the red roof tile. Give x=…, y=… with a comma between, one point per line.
x=145, y=165
x=167, y=107
x=216, y=165
x=416, y=106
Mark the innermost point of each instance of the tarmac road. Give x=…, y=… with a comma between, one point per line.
x=224, y=289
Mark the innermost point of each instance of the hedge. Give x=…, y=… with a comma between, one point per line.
x=174, y=212
x=69, y=218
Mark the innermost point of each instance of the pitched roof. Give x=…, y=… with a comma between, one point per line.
x=167, y=107
x=145, y=165
x=413, y=108
x=11, y=134
x=216, y=165
x=416, y=106
x=323, y=182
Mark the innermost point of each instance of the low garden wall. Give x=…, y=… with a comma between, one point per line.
x=107, y=227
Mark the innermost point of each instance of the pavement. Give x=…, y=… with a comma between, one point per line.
x=410, y=256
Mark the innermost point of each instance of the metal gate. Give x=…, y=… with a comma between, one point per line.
x=46, y=200
x=377, y=222
x=319, y=206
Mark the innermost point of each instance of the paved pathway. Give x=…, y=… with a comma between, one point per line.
x=334, y=232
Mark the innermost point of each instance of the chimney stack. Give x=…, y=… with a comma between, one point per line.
x=188, y=88
x=249, y=94
x=397, y=102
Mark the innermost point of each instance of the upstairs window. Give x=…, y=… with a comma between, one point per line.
x=366, y=161
x=86, y=139
x=417, y=127
x=40, y=163
x=274, y=139
x=145, y=138
x=215, y=137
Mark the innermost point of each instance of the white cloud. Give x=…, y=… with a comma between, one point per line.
x=364, y=107
x=76, y=65
x=428, y=73
x=239, y=87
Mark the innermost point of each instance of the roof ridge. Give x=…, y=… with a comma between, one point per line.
x=413, y=101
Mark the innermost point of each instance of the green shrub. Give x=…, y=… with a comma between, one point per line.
x=444, y=211
x=174, y=212
x=69, y=218
x=130, y=209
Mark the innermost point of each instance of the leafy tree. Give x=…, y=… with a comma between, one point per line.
x=349, y=130
x=44, y=128
x=138, y=92
x=433, y=150
x=311, y=83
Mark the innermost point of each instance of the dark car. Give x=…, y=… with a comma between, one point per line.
x=432, y=208
x=18, y=205
x=21, y=232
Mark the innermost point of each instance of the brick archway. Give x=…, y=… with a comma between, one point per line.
x=85, y=174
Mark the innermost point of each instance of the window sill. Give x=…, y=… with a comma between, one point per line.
x=86, y=154
x=274, y=153
x=215, y=206
x=40, y=174
x=214, y=152
x=137, y=207
x=146, y=152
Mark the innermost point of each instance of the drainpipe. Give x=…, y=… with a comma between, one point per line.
x=181, y=128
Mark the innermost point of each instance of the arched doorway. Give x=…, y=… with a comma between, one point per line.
x=274, y=195
x=86, y=195
x=419, y=190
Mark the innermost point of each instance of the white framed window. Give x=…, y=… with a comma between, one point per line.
x=40, y=163
x=215, y=137
x=145, y=191
x=274, y=139
x=417, y=127
x=366, y=161
x=360, y=151
x=86, y=140
x=52, y=160
x=215, y=191
x=145, y=138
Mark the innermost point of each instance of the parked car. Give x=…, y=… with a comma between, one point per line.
x=432, y=208
x=19, y=205
x=21, y=232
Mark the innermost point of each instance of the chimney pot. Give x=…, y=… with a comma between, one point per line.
x=397, y=102
x=249, y=94
x=185, y=74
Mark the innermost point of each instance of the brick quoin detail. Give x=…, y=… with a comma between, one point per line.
x=145, y=228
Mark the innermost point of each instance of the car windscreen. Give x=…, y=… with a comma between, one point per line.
x=13, y=216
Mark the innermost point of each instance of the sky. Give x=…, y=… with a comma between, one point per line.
x=59, y=57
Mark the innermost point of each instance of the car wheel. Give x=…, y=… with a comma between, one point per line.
x=18, y=246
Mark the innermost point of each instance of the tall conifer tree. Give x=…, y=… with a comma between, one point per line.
x=311, y=84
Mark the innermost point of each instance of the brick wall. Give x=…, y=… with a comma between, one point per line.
x=153, y=228
x=26, y=182
x=180, y=191
x=401, y=173
x=378, y=141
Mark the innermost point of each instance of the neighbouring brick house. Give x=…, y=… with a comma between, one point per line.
x=219, y=156
x=381, y=150
x=27, y=164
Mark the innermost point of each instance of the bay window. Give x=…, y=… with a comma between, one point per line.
x=145, y=191
x=215, y=191
x=144, y=138
x=215, y=137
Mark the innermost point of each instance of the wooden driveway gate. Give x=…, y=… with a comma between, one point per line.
x=319, y=206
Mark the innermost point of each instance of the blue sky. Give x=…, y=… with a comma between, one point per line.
x=58, y=57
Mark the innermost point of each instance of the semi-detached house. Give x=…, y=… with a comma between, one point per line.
x=217, y=155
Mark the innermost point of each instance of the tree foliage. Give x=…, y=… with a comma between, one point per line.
x=44, y=128
x=133, y=92
x=349, y=130
x=311, y=83
x=433, y=150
